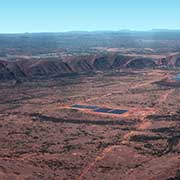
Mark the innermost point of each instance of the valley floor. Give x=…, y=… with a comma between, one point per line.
x=43, y=137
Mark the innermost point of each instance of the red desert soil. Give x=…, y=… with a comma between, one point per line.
x=42, y=137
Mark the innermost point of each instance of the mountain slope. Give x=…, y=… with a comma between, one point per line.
x=31, y=68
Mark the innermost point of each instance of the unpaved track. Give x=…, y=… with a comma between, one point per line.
x=92, y=164
x=142, y=126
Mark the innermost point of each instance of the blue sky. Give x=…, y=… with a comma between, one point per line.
x=79, y=15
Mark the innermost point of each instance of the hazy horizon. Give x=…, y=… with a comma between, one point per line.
x=94, y=31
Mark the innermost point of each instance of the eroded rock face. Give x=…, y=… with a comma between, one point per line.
x=163, y=62
x=120, y=61
x=173, y=61
x=177, y=63
x=47, y=68
x=16, y=70
x=101, y=64
x=141, y=63
x=10, y=70
x=31, y=68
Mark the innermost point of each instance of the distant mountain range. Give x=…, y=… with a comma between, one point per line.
x=87, y=40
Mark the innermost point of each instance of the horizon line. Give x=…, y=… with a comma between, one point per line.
x=93, y=31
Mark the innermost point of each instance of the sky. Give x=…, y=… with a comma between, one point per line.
x=19, y=16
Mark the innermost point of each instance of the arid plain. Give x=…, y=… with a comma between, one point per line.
x=43, y=137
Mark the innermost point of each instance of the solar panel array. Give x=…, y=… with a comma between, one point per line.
x=99, y=109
